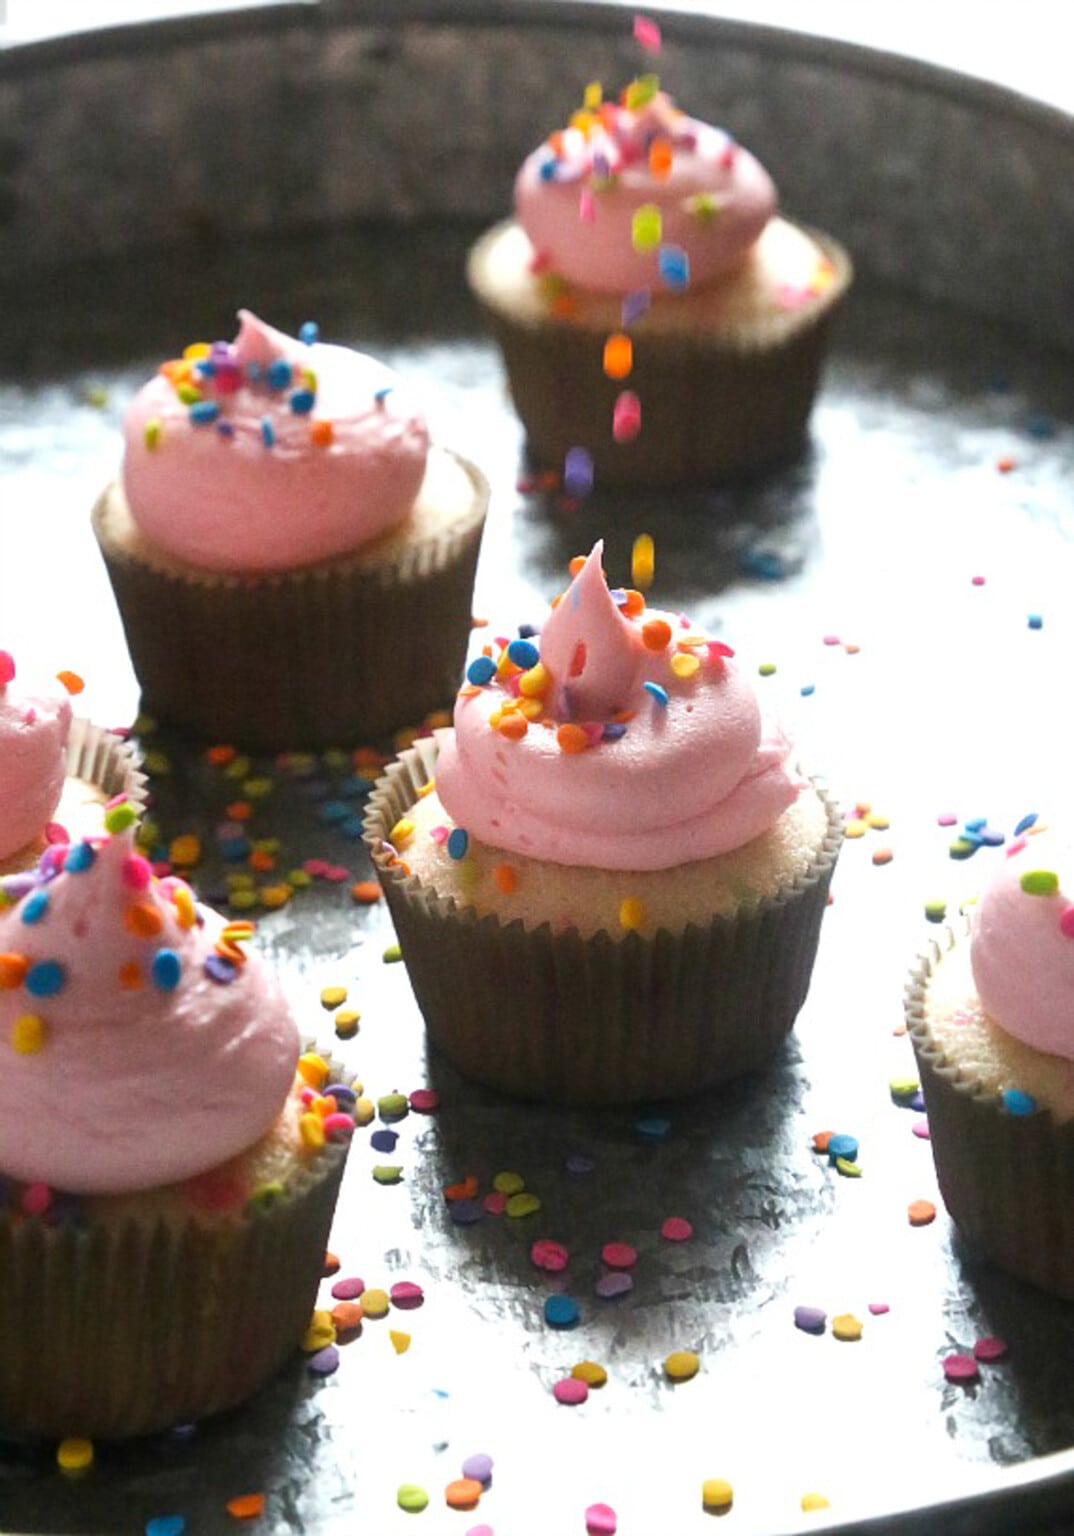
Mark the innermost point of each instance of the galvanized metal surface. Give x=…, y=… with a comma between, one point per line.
x=937, y=695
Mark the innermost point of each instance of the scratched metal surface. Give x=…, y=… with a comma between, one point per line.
x=938, y=696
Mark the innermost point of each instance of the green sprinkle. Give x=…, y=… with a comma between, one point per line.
x=120, y=817
x=848, y=1169
x=265, y=1197
x=1040, y=882
x=641, y=91
x=962, y=848
x=188, y=394
x=335, y=759
x=935, y=910
x=387, y=1173
x=158, y=763
x=524, y=1204
x=646, y=228
x=238, y=768
x=411, y=1498
x=903, y=1087
x=392, y=954
x=767, y=668
x=393, y=1106
x=299, y=879
x=703, y=206
x=243, y=899
x=97, y=396
x=257, y=789
x=151, y=436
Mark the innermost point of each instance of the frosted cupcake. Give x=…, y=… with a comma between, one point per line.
x=654, y=312
x=168, y=1162
x=56, y=773
x=608, y=878
x=285, y=545
x=992, y=1022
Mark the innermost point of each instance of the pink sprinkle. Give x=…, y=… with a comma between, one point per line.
x=136, y=871
x=161, y=869
x=626, y=416
x=587, y=208
x=337, y=1126
x=55, y=833
x=978, y=581
x=570, y=1391
x=549, y=1255
x=594, y=732
x=990, y=1349
x=30, y=716
x=1066, y=922
x=729, y=155
x=337, y=873
x=439, y=834
x=677, y=1229
x=7, y=668
x=495, y=1203
x=406, y=1294
x=879, y=1308
x=348, y=1289
x=36, y=1199
x=315, y=867
x=601, y=1520
x=1017, y=846
x=831, y=639
x=424, y=1101
x=647, y=34
x=791, y=295
x=480, y=1530
x=920, y=1128
x=946, y=819
x=619, y=1255
x=308, y=1095
x=960, y=1368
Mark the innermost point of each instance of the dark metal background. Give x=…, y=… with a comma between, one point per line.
x=951, y=702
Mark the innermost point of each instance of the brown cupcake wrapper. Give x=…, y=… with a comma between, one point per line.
x=712, y=408
x=344, y=651
x=545, y=1015
x=1007, y=1180
x=124, y=1327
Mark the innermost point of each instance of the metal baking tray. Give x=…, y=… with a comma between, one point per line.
x=334, y=161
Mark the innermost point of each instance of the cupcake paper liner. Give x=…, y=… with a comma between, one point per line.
x=553, y=1016
x=1007, y=1180
x=712, y=408
x=342, y=651
x=125, y=1326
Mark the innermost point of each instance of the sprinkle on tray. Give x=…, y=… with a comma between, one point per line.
x=682, y=1365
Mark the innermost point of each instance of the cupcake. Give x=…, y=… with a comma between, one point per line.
x=654, y=313
x=991, y=1017
x=285, y=545
x=56, y=773
x=169, y=1162
x=608, y=878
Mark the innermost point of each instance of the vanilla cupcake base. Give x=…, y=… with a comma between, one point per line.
x=1007, y=1179
x=725, y=375
x=345, y=650
x=544, y=1005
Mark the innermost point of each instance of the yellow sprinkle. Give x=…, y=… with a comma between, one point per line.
x=400, y=1341
x=196, y=351
x=275, y=895
x=320, y=1332
x=364, y=1111
x=402, y=833
x=333, y=997
x=237, y=768
x=531, y=709
x=812, y=1501
x=157, y=763
x=313, y=1069
x=682, y=1365
x=642, y=561
x=28, y=1034
x=375, y=1303
x=854, y=828
x=183, y=902
x=846, y=1327
x=240, y=880
x=509, y=1183
x=74, y=1454
x=346, y=1022
x=594, y=95
x=534, y=682
x=522, y=1205
x=185, y=850
x=590, y=1372
x=631, y=912
x=266, y=845
x=311, y=1130
x=717, y=1493
x=257, y=789
x=243, y=899
x=877, y=822
x=691, y=638
x=405, y=738
x=684, y=665
x=426, y=789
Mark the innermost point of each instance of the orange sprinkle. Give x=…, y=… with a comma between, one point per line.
x=261, y=860
x=247, y=1506
x=563, y=307
x=143, y=919
x=365, y=892
x=71, y=681
x=321, y=433
x=130, y=976
x=571, y=738
x=331, y=1264
x=367, y=757
x=921, y=1212
x=656, y=634
x=634, y=603
x=623, y=716
x=821, y=1140
x=883, y=856
x=238, y=929
x=218, y=756
x=347, y=1316
x=468, y=690
x=660, y=157
x=230, y=952
x=505, y=877
x=513, y=726
x=239, y=810
x=555, y=142
x=478, y=623
x=13, y=970
x=618, y=356
x=465, y=1189
x=1006, y=464
x=463, y=1493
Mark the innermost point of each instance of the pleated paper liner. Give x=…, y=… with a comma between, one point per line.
x=346, y=650
x=712, y=407
x=106, y=766
x=553, y=1016
x=130, y=1324
x=1007, y=1180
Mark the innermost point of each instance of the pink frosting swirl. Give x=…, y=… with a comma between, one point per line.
x=577, y=196
x=268, y=454
x=639, y=759
x=153, y=1057
x=33, y=736
x=1022, y=945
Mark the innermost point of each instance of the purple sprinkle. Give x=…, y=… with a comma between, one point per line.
x=478, y=1466
x=634, y=306
x=219, y=968
x=810, y=1319
x=348, y=1289
x=464, y=1213
x=383, y=1141
x=611, y=1286
x=916, y=1101
x=325, y=1362
x=578, y=1164
x=613, y=730
x=343, y=1093
x=578, y=472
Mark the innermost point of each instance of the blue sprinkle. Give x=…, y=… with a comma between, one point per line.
x=547, y=169
x=481, y=671
x=206, y=367
x=765, y=564
x=999, y=383
x=1025, y=823
x=1035, y=621
x=302, y=401
x=165, y=1525
x=225, y=428
x=976, y=823
x=79, y=858
x=842, y=1145
x=34, y=907
x=381, y=394
x=355, y=787
x=334, y=810
x=523, y=653
x=1015, y=1102
x=527, y=631
x=353, y=827
x=561, y=1311
x=253, y=372
x=45, y=979
x=234, y=849
x=268, y=432
x=973, y=838
x=458, y=842
x=309, y=332
x=464, y=1213
x=204, y=411
x=383, y=1141
x=1040, y=425
x=279, y=373
x=916, y=1101
x=220, y=969
x=613, y=730
x=618, y=596
x=658, y=693
x=807, y=690
x=166, y=970
x=674, y=266
x=578, y=472
x=652, y=1128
